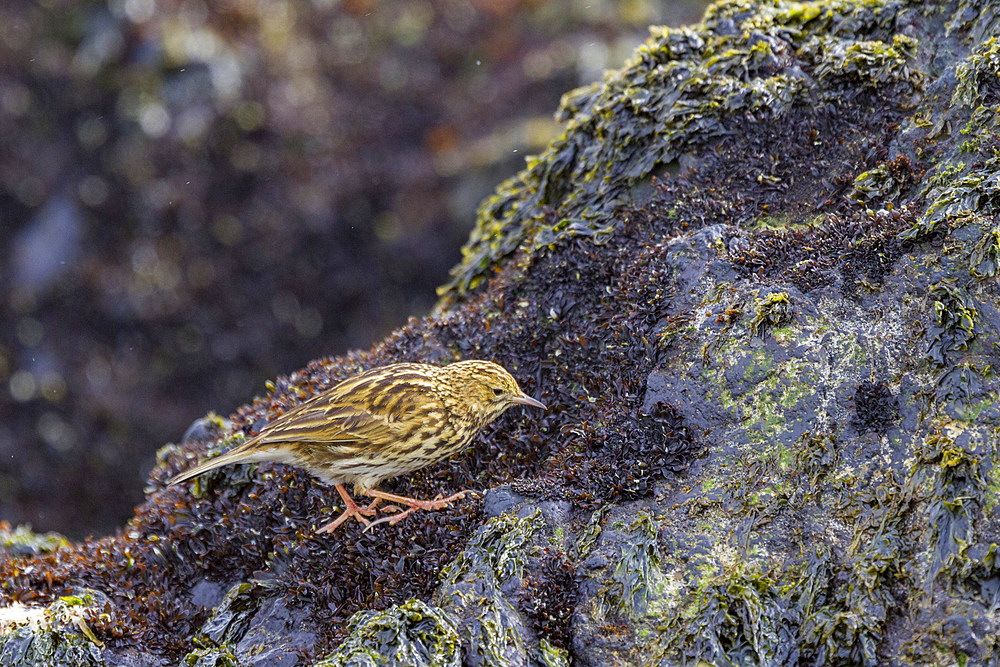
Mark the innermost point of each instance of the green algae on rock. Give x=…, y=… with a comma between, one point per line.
x=476, y=620
x=774, y=310
x=636, y=581
x=412, y=634
x=471, y=588
x=26, y=647
x=54, y=635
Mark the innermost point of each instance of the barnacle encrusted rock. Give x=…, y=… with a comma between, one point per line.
x=755, y=281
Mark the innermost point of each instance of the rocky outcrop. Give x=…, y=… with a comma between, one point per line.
x=194, y=198
x=755, y=283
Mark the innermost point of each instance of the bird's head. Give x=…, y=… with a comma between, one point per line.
x=487, y=389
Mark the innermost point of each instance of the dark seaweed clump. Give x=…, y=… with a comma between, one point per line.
x=798, y=213
x=550, y=598
x=572, y=328
x=876, y=409
x=619, y=461
x=859, y=247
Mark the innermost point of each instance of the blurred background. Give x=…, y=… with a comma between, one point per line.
x=196, y=196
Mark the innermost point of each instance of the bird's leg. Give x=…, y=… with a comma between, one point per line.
x=413, y=503
x=350, y=509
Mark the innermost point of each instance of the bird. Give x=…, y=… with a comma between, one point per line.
x=379, y=424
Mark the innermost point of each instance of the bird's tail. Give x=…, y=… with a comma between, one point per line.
x=245, y=453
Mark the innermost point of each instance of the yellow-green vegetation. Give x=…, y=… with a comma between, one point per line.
x=728, y=608
x=587, y=537
x=409, y=634
x=871, y=62
x=26, y=647
x=57, y=634
x=215, y=641
x=973, y=411
x=763, y=394
x=551, y=656
x=984, y=259
x=779, y=605
x=785, y=222
x=944, y=174
x=977, y=73
x=499, y=545
x=637, y=585
x=774, y=310
x=492, y=558
x=682, y=89
x=216, y=657
x=949, y=472
x=22, y=540
x=887, y=181
x=954, y=325
x=766, y=407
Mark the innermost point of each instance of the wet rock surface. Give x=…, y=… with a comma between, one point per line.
x=772, y=418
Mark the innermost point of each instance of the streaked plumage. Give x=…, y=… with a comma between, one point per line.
x=380, y=424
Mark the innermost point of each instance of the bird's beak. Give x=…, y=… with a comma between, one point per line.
x=524, y=399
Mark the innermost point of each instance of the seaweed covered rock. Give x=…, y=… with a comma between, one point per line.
x=755, y=282
x=195, y=196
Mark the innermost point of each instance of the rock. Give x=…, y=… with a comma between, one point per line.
x=57, y=635
x=26, y=647
x=772, y=419
x=251, y=628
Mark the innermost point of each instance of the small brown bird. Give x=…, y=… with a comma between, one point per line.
x=382, y=423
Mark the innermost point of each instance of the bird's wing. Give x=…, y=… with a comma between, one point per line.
x=331, y=426
x=347, y=417
x=371, y=411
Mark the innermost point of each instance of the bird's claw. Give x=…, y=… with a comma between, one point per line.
x=391, y=508
x=439, y=502
x=350, y=510
x=391, y=520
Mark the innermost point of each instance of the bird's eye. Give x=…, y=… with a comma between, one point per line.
x=497, y=391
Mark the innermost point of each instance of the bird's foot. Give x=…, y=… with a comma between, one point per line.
x=350, y=509
x=414, y=504
x=389, y=509
x=392, y=520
